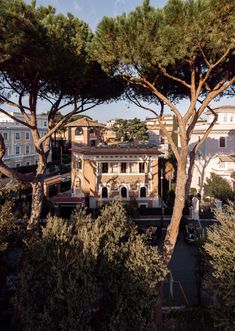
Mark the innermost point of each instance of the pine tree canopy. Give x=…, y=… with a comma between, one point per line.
x=163, y=46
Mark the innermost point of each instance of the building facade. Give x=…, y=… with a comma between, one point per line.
x=20, y=149
x=217, y=154
x=104, y=173
x=156, y=136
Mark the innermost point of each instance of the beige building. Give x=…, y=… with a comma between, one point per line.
x=156, y=135
x=85, y=131
x=104, y=173
x=20, y=149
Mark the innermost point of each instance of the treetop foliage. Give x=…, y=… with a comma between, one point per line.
x=218, y=187
x=221, y=257
x=41, y=47
x=149, y=42
x=90, y=275
x=130, y=130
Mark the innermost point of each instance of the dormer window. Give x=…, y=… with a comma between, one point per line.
x=78, y=132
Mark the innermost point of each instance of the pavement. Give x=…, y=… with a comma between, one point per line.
x=182, y=288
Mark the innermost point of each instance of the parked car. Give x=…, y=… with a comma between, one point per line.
x=190, y=233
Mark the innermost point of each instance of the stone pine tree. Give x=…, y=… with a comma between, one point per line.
x=44, y=58
x=130, y=130
x=185, y=50
x=220, y=281
x=90, y=275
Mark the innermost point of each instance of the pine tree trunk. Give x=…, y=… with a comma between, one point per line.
x=173, y=227
x=37, y=194
x=36, y=207
x=192, y=156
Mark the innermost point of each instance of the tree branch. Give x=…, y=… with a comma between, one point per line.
x=176, y=79
x=159, y=117
x=9, y=172
x=15, y=118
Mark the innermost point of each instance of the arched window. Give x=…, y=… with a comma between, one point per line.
x=78, y=131
x=143, y=192
x=123, y=192
x=104, y=192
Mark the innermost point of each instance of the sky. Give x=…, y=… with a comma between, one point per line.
x=92, y=12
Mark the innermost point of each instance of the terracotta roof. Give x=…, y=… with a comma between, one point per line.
x=115, y=150
x=85, y=122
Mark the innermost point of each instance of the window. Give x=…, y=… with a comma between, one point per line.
x=27, y=149
x=221, y=165
x=78, y=131
x=45, y=123
x=141, y=167
x=17, y=136
x=27, y=136
x=28, y=163
x=91, y=130
x=104, y=192
x=17, y=150
x=18, y=165
x=6, y=150
x=104, y=168
x=231, y=118
x=123, y=192
x=79, y=164
x=5, y=135
x=162, y=140
x=123, y=167
x=114, y=167
x=222, y=142
x=225, y=118
x=143, y=192
x=93, y=143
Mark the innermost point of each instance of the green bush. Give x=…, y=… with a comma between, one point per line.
x=219, y=188
x=90, y=275
x=6, y=224
x=220, y=281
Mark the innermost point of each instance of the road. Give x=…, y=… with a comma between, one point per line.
x=184, y=268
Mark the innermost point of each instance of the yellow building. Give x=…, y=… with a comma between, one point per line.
x=103, y=173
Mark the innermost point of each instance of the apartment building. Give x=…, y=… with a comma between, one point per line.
x=103, y=173
x=217, y=154
x=156, y=136
x=20, y=149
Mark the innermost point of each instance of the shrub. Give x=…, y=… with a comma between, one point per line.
x=90, y=275
x=219, y=188
x=221, y=281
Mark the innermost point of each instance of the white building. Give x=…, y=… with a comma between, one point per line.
x=20, y=149
x=217, y=154
x=156, y=136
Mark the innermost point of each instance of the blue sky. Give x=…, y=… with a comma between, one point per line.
x=92, y=12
